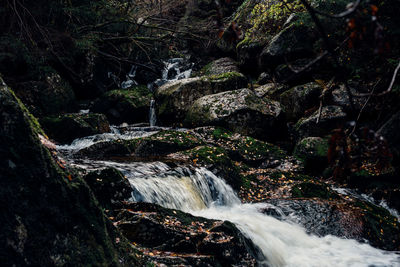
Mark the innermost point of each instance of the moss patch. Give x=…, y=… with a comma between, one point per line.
x=311, y=190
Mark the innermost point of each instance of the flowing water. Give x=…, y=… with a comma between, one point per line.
x=152, y=113
x=201, y=193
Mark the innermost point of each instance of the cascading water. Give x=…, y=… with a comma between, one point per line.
x=152, y=113
x=284, y=244
x=201, y=193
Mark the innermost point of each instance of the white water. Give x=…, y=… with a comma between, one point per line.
x=116, y=133
x=368, y=198
x=200, y=192
x=284, y=244
x=152, y=113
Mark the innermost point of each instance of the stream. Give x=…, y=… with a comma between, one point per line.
x=282, y=239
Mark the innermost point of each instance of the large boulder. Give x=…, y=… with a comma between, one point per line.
x=220, y=66
x=299, y=99
x=49, y=216
x=68, y=127
x=161, y=229
x=293, y=42
x=240, y=111
x=313, y=152
x=175, y=98
x=125, y=105
x=159, y=144
x=320, y=124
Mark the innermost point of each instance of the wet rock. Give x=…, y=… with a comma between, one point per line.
x=43, y=202
x=109, y=186
x=221, y=66
x=240, y=111
x=270, y=91
x=68, y=127
x=341, y=98
x=331, y=117
x=160, y=144
x=264, y=78
x=293, y=42
x=128, y=105
x=175, y=98
x=163, y=230
x=313, y=152
x=299, y=99
x=242, y=148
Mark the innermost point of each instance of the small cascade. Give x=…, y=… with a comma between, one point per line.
x=152, y=113
x=183, y=189
x=174, y=69
x=283, y=243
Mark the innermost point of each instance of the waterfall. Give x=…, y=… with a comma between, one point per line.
x=283, y=243
x=198, y=191
x=152, y=113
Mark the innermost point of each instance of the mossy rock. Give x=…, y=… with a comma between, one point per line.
x=293, y=42
x=155, y=227
x=381, y=229
x=217, y=159
x=313, y=190
x=125, y=105
x=68, y=127
x=45, y=203
x=240, y=111
x=175, y=98
x=313, y=152
x=297, y=100
x=157, y=145
x=220, y=66
x=331, y=117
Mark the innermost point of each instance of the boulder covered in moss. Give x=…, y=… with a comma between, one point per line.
x=175, y=98
x=270, y=91
x=68, y=127
x=240, y=111
x=299, y=99
x=125, y=105
x=49, y=216
x=160, y=229
x=321, y=123
x=218, y=161
x=313, y=152
x=109, y=186
x=220, y=66
x=293, y=42
x=159, y=144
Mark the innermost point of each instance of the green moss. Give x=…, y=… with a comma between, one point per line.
x=311, y=190
x=206, y=69
x=246, y=41
x=34, y=123
x=138, y=96
x=380, y=226
x=224, y=76
x=256, y=149
x=221, y=133
x=177, y=137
